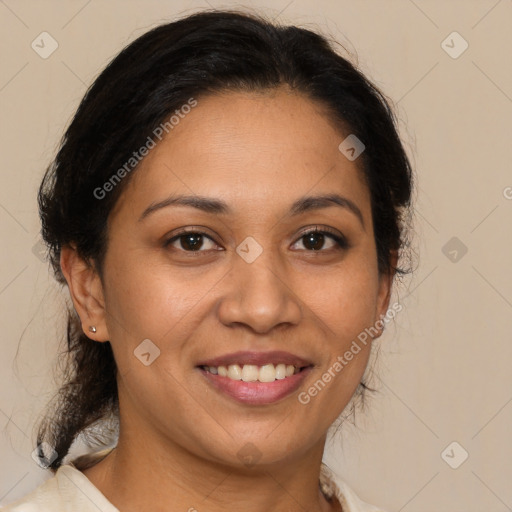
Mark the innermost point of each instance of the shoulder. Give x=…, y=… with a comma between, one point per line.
x=334, y=486
x=67, y=491
x=38, y=499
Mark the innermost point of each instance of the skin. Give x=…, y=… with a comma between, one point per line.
x=179, y=437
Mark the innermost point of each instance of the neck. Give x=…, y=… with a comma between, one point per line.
x=138, y=475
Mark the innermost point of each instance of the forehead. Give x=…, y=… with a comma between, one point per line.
x=251, y=149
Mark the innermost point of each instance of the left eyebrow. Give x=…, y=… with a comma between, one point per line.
x=309, y=203
x=218, y=207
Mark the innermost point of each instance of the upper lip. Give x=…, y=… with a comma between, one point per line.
x=257, y=358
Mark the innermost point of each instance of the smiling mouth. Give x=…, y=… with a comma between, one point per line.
x=254, y=373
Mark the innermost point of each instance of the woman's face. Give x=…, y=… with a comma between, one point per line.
x=248, y=286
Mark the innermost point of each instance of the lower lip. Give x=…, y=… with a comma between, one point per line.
x=257, y=393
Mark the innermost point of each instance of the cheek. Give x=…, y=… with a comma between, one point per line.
x=147, y=298
x=344, y=308
x=344, y=301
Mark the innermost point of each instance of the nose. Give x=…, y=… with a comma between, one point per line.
x=259, y=296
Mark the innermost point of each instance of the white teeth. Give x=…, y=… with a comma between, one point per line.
x=267, y=373
x=280, y=371
x=234, y=372
x=250, y=373
x=254, y=373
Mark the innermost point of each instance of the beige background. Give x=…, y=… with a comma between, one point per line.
x=444, y=366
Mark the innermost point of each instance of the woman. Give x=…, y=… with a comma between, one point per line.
x=227, y=209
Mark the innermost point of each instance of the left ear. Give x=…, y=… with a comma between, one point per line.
x=86, y=292
x=384, y=294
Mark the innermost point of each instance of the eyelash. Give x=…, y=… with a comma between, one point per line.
x=340, y=240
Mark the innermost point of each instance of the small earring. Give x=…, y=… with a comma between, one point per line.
x=92, y=328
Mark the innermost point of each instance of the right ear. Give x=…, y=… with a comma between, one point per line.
x=86, y=292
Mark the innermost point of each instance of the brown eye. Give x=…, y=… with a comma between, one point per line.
x=191, y=242
x=318, y=240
